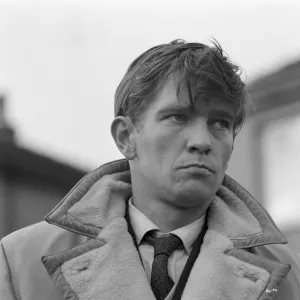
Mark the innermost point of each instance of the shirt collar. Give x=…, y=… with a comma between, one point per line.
x=141, y=224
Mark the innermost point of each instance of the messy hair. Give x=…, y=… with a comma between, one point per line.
x=204, y=70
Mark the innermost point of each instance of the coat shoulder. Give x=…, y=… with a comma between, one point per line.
x=23, y=250
x=40, y=239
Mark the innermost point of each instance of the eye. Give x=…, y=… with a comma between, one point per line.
x=223, y=124
x=178, y=118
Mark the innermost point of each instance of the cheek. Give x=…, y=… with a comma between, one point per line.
x=162, y=144
x=158, y=153
x=149, y=149
x=222, y=150
x=156, y=143
x=226, y=155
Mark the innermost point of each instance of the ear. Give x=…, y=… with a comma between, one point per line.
x=123, y=133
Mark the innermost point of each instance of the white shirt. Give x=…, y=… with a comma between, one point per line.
x=188, y=234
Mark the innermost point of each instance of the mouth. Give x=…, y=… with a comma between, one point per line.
x=199, y=167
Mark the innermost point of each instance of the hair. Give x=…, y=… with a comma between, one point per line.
x=204, y=70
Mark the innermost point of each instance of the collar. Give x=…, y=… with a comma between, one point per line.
x=102, y=195
x=141, y=224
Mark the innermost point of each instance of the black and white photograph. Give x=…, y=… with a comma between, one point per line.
x=149, y=150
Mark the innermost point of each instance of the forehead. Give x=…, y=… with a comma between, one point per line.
x=167, y=98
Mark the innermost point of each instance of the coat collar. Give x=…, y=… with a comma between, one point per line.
x=101, y=196
x=109, y=264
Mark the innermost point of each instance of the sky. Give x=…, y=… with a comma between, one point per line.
x=61, y=61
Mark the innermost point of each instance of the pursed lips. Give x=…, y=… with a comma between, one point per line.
x=200, y=166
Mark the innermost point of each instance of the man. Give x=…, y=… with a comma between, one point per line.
x=165, y=222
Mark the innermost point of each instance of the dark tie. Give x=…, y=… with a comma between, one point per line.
x=164, y=246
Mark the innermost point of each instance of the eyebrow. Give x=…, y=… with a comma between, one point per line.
x=222, y=113
x=173, y=108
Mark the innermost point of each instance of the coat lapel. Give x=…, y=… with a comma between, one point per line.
x=106, y=268
x=109, y=268
x=218, y=274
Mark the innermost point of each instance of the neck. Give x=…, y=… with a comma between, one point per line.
x=166, y=216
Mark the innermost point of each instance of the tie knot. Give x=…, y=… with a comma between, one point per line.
x=163, y=243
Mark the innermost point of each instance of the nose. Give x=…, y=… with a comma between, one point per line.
x=199, y=139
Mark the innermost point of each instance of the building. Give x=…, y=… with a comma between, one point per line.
x=266, y=159
x=30, y=184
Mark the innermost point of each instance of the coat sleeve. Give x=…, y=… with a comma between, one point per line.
x=6, y=287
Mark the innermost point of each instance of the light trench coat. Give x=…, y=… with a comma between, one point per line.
x=84, y=250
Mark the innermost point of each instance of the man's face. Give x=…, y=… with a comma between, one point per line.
x=175, y=141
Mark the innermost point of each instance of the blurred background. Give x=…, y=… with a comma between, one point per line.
x=60, y=64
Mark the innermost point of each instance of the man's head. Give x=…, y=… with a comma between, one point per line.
x=179, y=104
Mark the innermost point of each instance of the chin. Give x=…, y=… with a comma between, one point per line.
x=192, y=197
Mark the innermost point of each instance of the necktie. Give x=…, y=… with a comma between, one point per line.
x=164, y=246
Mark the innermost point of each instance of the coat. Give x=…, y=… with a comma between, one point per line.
x=84, y=250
